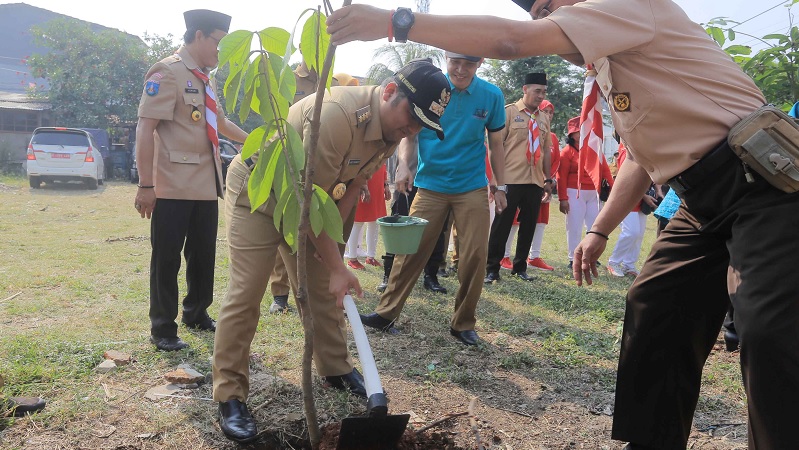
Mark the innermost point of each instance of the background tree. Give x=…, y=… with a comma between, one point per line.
x=93, y=75
x=391, y=57
x=564, y=89
x=774, y=68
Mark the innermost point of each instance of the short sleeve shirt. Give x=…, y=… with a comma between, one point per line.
x=516, y=137
x=674, y=94
x=457, y=164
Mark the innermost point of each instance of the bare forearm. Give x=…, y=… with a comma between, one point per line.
x=231, y=130
x=632, y=181
x=145, y=151
x=496, y=154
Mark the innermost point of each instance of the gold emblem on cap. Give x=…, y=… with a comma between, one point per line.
x=445, y=96
x=621, y=102
x=339, y=191
x=196, y=115
x=437, y=109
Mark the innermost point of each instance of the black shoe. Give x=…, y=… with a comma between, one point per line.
x=352, y=381
x=468, y=337
x=570, y=266
x=491, y=277
x=168, y=344
x=236, y=422
x=431, y=284
x=19, y=406
x=206, y=324
x=376, y=321
x=731, y=340
x=280, y=304
x=632, y=446
x=442, y=272
x=523, y=276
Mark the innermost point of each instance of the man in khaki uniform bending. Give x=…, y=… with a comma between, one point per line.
x=360, y=127
x=180, y=176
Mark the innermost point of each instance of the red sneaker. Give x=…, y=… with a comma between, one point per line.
x=373, y=262
x=355, y=264
x=539, y=264
x=506, y=263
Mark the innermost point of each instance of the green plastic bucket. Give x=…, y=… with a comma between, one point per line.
x=401, y=234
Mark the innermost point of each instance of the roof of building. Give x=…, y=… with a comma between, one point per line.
x=18, y=100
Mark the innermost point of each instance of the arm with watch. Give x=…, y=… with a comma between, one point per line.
x=402, y=20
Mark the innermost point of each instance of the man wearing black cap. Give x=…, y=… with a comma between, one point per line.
x=527, y=159
x=360, y=128
x=180, y=176
x=451, y=178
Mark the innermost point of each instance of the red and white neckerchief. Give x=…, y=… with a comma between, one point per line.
x=533, y=139
x=210, y=111
x=591, y=131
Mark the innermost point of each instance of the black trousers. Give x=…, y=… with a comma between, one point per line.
x=729, y=241
x=527, y=198
x=401, y=204
x=191, y=226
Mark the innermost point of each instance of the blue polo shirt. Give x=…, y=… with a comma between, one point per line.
x=457, y=164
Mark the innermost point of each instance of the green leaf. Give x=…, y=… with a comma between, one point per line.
x=317, y=222
x=731, y=34
x=314, y=43
x=289, y=51
x=780, y=37
x=281, y=103
x=276, y=40
x=295, y=150
x=718, y=35
x=285, y=198
x=738, y=50
x=258, y=189
x=291, y=224
x=231, y=90
x=235, y=47
x=330, y=215
x=253, y=143
x=263, y=92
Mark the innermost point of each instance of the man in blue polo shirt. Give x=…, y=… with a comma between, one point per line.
x=451, y=177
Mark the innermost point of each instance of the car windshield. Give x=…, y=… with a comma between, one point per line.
x=60, y=138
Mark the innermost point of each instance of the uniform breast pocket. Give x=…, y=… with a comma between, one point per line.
x=184, y=157
x=194, y=107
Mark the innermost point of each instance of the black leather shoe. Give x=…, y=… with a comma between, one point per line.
x=236, y=422
x=352, y=381
x=491, y=277
x=468, y=337
x=431, y=284
x=632, y=446
x=443, y=273
x=523, y=276
x=168, y=344
x=206, y=324
x=376, y=321
x=19, y=406
x=731, y=340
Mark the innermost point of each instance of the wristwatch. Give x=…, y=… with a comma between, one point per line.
x=402, y=21
x=503, y=188
x=548, y=180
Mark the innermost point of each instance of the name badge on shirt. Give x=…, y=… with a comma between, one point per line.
x=621, y=102
x=353, y=162
x=518, y=119
x=481, y=113
x=192, y=90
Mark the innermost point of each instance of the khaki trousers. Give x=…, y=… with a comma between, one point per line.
x=279, y=280
x=254, y=243
x=470, y=215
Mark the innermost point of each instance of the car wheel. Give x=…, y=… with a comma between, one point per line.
x=35, y=182
x=91, y=183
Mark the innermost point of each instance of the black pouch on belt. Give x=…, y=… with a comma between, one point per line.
x=768, y=142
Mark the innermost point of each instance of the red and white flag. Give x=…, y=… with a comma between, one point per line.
x=591, y=132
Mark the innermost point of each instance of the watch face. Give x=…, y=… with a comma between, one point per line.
x=403, y=18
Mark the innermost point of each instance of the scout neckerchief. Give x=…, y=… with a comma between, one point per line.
x=533, y=139
x=210, y=110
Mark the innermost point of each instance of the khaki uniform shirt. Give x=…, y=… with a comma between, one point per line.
x=351, y=136
x=184, y=165
x=515, y=135
x=674, y=94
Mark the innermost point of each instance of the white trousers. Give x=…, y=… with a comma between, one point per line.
x=582, y=213
x=356, y=237
x=628, y=247
x=538, y=240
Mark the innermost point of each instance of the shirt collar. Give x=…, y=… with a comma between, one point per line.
x=185, y=56
x=470, y=88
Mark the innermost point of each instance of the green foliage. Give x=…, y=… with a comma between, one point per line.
x=774, y=68
x=564, y=84
x=258, y=82
x=392, y=57
x=94, y=77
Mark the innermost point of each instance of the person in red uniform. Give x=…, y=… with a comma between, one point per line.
x=535, y=261
x=371, y=207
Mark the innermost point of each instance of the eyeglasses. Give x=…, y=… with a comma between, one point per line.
x=543, y=12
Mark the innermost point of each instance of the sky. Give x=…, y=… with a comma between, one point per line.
x=166, y=17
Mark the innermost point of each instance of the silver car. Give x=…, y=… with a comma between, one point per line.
x=64, y=154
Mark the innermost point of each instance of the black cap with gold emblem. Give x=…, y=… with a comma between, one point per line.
x=204, y=19
x=526, y=5
x=427, y=90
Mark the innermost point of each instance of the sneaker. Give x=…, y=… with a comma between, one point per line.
x=373, y=262
x=355, y=264
x=629, y=271
x=615, y=270
x=506, y=263
x=280, y=304
x=539, y=263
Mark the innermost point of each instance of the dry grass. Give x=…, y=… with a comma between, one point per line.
x=79, y=261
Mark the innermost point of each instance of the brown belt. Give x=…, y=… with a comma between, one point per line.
x=701, y=172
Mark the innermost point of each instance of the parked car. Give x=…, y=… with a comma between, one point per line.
x=227, y=151
x=64, y=154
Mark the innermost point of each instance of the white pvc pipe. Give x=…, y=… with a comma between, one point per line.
x=370, y=374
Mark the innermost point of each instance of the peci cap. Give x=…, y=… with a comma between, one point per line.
x=535, y=78
x=573, y=125
x=526, y=5
x=427, y=90
x=198, y=19
x=454, y=55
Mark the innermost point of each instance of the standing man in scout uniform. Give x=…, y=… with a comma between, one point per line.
x=451, y=176
x=180, y=176
x=733, y=237
x=527, y=159
x=360, y=127
x=307, y=81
